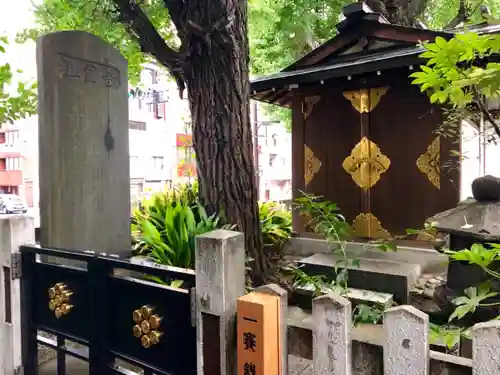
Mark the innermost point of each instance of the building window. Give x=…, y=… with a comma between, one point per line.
x=137, y=125
x=158, y=162
x=10, y=138
x=13, y=164
x=149, y=76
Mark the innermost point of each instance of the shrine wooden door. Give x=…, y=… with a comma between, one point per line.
x=374, y=152
x=423, y=175
x=331, y=129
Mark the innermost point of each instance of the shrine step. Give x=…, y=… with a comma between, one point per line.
x=372, y=274
x=305, y=294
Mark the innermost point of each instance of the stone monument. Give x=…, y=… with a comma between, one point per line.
x=83, y=144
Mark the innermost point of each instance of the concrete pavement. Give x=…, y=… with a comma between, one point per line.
x=296, y=366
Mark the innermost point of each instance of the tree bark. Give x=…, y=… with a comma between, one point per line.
x=213, y=62
x=218, y=87
x=399, y=12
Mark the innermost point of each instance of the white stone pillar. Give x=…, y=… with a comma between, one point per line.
x=14, y=232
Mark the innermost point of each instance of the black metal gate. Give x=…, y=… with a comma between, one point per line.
x=119, y=320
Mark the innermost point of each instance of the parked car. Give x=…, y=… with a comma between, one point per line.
x=12, y=204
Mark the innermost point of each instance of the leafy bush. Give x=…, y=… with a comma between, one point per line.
x=187, y=193
x=166, y=227
x=477, y=296
x=21, y=104
x=276, y=224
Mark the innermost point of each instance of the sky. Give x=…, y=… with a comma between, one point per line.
x=13, y=19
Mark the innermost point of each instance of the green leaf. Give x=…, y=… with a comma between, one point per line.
x=473, y=298
x=459, y=312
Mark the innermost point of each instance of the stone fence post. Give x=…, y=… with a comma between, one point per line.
x=14, y=232
x=220, y=280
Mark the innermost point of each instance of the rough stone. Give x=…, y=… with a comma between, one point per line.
x=486, y=189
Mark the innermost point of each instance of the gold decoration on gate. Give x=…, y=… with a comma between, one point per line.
x=312, y=165
x=365, y=100
x=147, y=326
x=309, y=103
x=366, y=163
x=366, y=225
x=429, y=162
x=59, y=302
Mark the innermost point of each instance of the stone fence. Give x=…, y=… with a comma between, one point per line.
x=398, y=347
x=326, y=337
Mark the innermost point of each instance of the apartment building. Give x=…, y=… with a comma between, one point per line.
x=160, y=135
x=18, y=168
x=159, y=141
x=273, y=151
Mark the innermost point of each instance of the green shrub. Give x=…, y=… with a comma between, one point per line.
x=276, y=224
x=165, y=229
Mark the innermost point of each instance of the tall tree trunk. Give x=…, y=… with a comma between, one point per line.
x=213, y=62
x=216, y=73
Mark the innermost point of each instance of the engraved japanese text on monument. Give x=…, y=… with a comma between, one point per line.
x=86, y=71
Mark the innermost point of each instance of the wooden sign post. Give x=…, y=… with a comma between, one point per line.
x=258, y=340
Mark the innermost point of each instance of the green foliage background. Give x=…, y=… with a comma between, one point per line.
x=280, y=31
x=20, y=104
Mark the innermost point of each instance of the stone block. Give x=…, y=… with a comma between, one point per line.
x=305, y=294
x=377, y=275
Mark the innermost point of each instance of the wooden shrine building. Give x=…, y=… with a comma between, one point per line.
x=362, y=135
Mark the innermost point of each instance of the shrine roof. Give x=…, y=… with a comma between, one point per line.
x=366, y=42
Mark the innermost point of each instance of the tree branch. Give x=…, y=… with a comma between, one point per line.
x=486, y=112
x=177, y=10
x=151, y=42
x=462, y=16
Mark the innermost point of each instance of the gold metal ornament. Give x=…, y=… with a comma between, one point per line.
x=147, y=311
x=147, y=326
x=59, y=302
x=155, y=321
x=145, y=342
x=366, y=225
x=154, y=337
x=137, y=331
x=366, y=163
x=137, y=316
x=312, y=165
x=429, y=162
x=365, y=100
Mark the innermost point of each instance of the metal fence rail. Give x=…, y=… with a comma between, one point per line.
x=102, y=305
